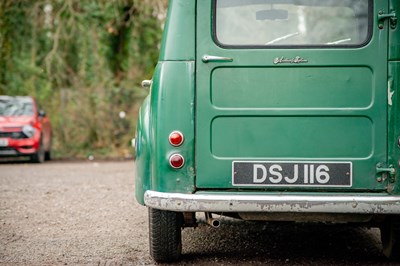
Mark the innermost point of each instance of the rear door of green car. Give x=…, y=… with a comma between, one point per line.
x=291, y=94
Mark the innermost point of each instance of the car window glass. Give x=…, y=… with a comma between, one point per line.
x=291, y=22
x=15, y=107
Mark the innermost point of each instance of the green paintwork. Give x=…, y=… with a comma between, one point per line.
x=143, y=148
x=334, y=108
x=353, y=87
x=179, y=33
x=172, y=109
x=394, y=34
x=279, y=137
x=394, y=93
x=394, y=122
x=169, y=107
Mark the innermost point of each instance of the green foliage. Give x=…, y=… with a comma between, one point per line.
x=83, y=61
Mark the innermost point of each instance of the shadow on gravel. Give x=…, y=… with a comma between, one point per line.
x=16, y=160
x=253, y=243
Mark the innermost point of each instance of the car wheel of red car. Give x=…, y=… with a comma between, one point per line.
x=165, y=235
x=47, y=156
x=39, y=156
x=390, y=235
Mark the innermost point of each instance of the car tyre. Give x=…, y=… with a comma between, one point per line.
x=165, y=229
x=390, y=236
x=47, y=155
x=39, y=156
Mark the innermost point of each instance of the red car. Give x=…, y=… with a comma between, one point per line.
x=25, y=130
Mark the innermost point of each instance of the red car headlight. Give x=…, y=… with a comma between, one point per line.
x=28, y=131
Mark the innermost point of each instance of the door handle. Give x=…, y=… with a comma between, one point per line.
x=213, y=58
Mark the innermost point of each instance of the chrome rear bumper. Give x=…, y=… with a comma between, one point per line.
x=230, y=202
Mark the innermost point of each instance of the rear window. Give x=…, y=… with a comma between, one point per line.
x=271, y=23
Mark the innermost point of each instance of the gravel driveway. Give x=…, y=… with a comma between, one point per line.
x=84, y=213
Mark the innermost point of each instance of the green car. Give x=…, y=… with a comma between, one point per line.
x=273, y=110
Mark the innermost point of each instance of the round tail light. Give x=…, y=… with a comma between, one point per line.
x=176, y=161
x=176, y=138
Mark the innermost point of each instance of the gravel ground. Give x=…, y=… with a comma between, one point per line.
x=84, y=213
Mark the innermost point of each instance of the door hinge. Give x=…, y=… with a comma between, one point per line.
x=385, y=172
x=391, y=16
x=390, y=92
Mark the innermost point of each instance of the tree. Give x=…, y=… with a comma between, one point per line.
x=83, y=61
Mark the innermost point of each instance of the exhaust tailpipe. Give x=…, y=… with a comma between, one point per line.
x=211, y=221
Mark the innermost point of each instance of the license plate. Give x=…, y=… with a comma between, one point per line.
x=3, y=142
x=294, y=174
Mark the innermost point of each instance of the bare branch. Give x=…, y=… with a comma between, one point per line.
x=56, y=38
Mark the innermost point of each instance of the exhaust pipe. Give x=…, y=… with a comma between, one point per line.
x=211, y=221
x=214, y=222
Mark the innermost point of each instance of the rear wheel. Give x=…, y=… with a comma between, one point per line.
x=47, y=155
x=390, y=235
x=39, y=156
x=165, y=235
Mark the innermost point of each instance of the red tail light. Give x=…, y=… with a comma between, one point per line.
x=176, y=138
x=176, y=161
